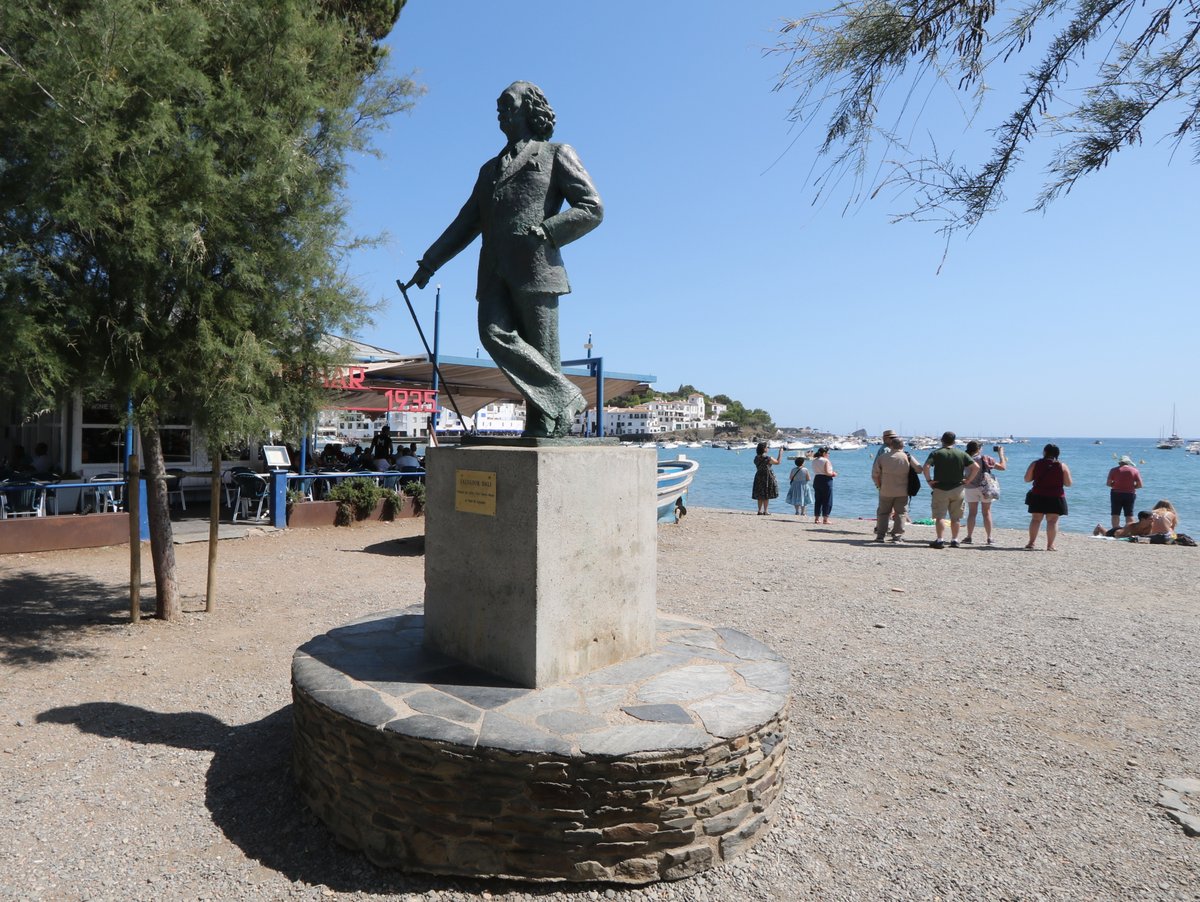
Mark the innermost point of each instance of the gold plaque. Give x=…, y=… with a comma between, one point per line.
x=475, y=492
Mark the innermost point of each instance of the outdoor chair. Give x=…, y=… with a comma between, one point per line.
x=228, y=483
x=251, y=488
x=20, y=498
x=108, y=497
x=175, y=487
x=304, y=486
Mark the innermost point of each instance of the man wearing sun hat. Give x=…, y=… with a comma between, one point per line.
x=1123, y=482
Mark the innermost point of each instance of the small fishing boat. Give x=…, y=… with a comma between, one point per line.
x=674, y=478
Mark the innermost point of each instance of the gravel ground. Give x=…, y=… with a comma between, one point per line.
x=966, y=724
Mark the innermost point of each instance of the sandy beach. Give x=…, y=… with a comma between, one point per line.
x=973, y=723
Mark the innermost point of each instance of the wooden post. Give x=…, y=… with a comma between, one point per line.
x=133, y=506
x=214, y=522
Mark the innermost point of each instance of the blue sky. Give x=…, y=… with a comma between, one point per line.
x=714, y=266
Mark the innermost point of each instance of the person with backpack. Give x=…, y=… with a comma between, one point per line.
x=982, y=490
x=890, y=473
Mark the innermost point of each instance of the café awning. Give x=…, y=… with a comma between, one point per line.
x=373, y=379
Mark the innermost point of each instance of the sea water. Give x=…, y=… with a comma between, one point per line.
x=725, y=477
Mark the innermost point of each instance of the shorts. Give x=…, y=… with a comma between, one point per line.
x=1122, y=503
x=947, y=504
x=975, y=494
x=1046, y=504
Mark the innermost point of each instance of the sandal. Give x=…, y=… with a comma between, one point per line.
x=1029, y=548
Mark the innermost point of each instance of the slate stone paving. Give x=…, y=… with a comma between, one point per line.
x=1181, y=797
x=652, y=768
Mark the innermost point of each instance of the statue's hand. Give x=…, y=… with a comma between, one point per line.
x=538, y=232
x=420, y=278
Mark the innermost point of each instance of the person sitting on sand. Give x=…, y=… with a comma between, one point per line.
x=1159, y=524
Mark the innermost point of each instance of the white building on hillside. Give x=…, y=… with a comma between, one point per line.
x=499, y=417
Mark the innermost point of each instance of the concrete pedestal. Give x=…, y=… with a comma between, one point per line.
x=540, y=562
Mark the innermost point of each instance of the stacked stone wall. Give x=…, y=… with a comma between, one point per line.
x=442, y=808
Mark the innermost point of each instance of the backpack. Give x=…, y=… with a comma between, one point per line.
x=1182, y=539
x=914, y=478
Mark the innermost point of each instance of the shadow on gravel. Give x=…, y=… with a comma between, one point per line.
x=37, y=611
x=251, y=795
x=409, y=546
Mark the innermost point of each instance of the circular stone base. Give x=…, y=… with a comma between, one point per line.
x=654, y=768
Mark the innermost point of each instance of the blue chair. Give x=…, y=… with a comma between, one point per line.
x=304, y=486
x=251, y=488
x=21, y=498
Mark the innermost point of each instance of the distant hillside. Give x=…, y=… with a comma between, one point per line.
x=757, y=420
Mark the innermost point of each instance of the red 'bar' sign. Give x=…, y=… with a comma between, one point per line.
x=349, y=379
x=412, y=400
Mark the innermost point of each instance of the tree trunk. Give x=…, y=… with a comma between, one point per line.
x=214, y=525
x=162, y=546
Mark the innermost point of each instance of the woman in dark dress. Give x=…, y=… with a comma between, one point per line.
x=765, y=485
x=1046, y=498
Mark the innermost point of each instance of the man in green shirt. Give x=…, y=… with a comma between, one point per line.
x=948, y=470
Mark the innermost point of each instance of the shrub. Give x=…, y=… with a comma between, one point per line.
x=356, y=499
x=416, y=491
x=393, y=503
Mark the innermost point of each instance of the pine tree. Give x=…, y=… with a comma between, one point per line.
x=171, y=206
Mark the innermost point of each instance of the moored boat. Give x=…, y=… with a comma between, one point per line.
x=674, y=478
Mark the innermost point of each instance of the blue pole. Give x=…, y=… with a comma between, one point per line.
x=437, y=328
x=128, y=433
x=437, y=316
x=599, y=397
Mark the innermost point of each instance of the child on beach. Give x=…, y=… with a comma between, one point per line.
x=799, y=492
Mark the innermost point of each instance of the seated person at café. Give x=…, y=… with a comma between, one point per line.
x=41, y=463
x=379, y=464
x=331, y=457
x=408, y=462
x=1159, y=524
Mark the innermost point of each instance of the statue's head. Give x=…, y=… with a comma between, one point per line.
x=533, y=106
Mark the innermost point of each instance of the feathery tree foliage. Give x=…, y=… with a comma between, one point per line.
x=172, y=221
x=1144, y=62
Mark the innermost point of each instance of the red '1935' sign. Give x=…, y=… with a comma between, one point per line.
x=403, y=400
x=412, y=400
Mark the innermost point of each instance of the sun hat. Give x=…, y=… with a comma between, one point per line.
x=1125, y=459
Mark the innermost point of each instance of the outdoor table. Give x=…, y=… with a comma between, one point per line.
x=52, y=488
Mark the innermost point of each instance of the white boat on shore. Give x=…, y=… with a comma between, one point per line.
x=674, y=478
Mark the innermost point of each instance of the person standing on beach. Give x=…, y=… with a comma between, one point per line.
x=823, y=476
x=1046, y=498
x=890, y=475
x=1123, y=482
x=765, y=485
x=974, y=494
x=799, y=492
x=948, y=470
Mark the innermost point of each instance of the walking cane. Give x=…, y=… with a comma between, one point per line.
x=436, y=367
